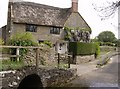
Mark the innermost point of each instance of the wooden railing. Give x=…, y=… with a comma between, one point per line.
x=18, y=52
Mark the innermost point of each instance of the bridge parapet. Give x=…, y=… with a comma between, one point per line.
x=49, y=77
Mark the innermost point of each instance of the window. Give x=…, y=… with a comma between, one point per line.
x=31, y=28
x=55, y=30
x=40, y=41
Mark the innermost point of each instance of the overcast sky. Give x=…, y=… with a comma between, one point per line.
x=85, y=9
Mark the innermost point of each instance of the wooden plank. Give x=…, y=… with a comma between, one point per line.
x=10, y=56
x=58, y=60
x=34, y=47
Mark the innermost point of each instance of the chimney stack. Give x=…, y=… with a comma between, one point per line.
x=74, y=6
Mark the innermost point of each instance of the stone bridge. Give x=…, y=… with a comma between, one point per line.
x=29, y=77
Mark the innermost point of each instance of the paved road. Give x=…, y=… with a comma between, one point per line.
x=106, y=76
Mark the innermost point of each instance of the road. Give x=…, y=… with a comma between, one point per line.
x=106, y=76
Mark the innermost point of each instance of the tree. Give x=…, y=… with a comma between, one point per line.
x=117, y=42
x=106, y=36
x=107, y=11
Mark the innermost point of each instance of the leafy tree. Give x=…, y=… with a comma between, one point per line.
x=117, y=42
x=106, y=36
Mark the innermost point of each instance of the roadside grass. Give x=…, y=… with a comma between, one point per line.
x=104, y=57
x=104, y=50
x=10, y=65
x=62, y=66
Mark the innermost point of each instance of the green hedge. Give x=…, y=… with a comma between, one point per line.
x=79, y=48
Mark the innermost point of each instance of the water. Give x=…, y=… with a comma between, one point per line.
x=94, y=85
x=103, y=85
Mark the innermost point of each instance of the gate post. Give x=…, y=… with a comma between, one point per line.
x=18, y=53
x=68, y=60
x=58, y=60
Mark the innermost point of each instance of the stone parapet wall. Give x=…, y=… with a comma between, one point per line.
x=49, y=77
x=84, y=59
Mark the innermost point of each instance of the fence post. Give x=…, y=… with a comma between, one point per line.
x=58, y=59
x=68, y=61
x=37, y=58
x=18, y=53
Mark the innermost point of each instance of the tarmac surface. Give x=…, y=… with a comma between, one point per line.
x=90, y=76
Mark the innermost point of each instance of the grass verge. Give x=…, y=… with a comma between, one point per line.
x=10, y=65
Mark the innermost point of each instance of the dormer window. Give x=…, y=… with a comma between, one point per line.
x=31, y=28
x=55, y=30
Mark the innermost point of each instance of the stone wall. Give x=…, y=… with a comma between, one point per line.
x=84, y=59
x=49, y=77
x=46, y=56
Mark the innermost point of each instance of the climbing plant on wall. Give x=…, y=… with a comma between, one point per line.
x=77, y=34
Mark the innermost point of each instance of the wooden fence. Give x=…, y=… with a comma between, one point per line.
x=37, y=53
x=18, y=52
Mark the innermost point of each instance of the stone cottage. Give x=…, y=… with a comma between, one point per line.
x=46, y=23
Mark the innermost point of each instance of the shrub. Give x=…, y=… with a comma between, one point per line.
x=97, y=49
x=48, y=43
x=79, y=48
x=1, y=42
x=21, y=39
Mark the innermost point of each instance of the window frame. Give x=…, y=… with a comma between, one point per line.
x=31, y=28
x=55, y=30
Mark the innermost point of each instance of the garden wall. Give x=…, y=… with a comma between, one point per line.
x=46, y=56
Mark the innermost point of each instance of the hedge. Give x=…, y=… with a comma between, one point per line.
x=79, y=48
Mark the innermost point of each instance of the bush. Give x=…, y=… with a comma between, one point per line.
x=21, y=39
x=48, y=43
x=79, y=48
x=1, y=42
x=97, y=49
